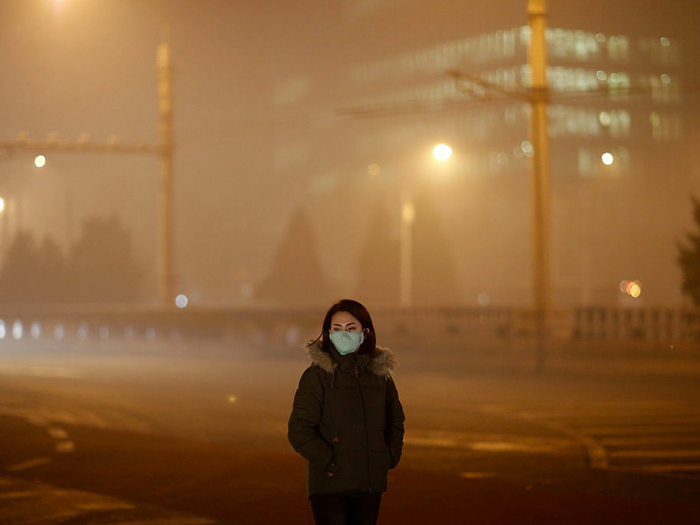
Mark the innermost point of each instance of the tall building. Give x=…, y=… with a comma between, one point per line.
x=613, y=98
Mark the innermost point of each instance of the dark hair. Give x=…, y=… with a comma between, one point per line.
x=359, y=312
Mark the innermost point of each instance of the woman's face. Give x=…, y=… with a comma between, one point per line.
x=345, y=321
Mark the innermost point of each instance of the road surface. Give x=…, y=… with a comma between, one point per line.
x=124, y=437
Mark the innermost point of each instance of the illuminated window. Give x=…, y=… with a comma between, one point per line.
x=620, y=122
x=665, y=126
x=618, y=48
x=509, y=43
x=664, y=90
x=585, y=162
x=618, y=84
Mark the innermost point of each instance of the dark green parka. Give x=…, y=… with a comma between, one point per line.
x=347, y=419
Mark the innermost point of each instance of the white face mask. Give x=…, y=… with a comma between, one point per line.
x=347, y=342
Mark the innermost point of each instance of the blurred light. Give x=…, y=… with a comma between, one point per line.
x=665, y=41
x=181, y=301
x=442, y=152
x=292, y=335
x=615, y=77
x=40, y=161
x=666, y=79
x=604, y=118
x=607, y=158
x=527, y=148
x=58, y=332
x=104, y=332
x=82, y=332
x=602, y=75
x=373, y=169
x=2, y=204
x=232, y=399
x=632, y=288
x=150, y=333
x=17, y=329
x=408, y=212
x=635, y=289
x=502, y=158
x=247, y=289
x=600, y=37
x=484, y=299
x=35, y=330
x=518, y=152
x=3, y=331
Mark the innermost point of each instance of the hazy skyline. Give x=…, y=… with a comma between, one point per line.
x=256, y=84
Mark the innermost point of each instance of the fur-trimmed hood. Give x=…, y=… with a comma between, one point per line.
x=381, y=361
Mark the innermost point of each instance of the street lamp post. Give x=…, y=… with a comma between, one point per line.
x=441, y=152
x=539, y=95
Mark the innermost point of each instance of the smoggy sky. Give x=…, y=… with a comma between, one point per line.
x=254, y=78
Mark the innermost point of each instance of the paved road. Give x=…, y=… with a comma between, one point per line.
x=117, y=439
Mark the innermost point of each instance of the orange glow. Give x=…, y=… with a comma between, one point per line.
x=442, y=152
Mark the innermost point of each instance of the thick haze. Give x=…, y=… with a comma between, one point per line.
x=257, y=89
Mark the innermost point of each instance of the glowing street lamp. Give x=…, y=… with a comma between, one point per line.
x=2, y=204
x=442, y=152
x=40, y=161
x=607, y=158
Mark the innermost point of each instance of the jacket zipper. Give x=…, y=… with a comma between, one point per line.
x=364, y=426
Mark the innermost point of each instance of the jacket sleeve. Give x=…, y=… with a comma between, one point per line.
x=303, y=422
x=394, y=423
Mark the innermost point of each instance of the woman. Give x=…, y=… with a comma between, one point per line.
x=347, y=421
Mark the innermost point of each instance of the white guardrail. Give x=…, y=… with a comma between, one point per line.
x=293, y=326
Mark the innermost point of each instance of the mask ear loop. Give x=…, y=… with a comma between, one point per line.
x=333, y=374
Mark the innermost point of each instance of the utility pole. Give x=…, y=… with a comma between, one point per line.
x=539, y=99
x=164, y=149
x=165, y=198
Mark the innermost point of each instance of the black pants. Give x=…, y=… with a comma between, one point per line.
x=345, y=509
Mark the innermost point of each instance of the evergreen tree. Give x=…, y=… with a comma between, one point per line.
x=295, y=277
x=689, y=258
x=20, y=271
x=102, y=268
x=434, y=281
x=53, y=274
x=378, y=263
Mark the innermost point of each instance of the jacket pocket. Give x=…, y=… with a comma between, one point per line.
x=334, y=464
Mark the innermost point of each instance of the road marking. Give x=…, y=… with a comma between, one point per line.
x=26, y=465
x=690, y=454
x=670, y=467
x=634, y=420
x=649, y=440
x=63, y=447
x=649, y=437
x=477, y=475
x=487, y=442
x=57, y=433
x=107, y=505
x=40, y=371
x=20, y=494
x=169, y=521
x=622, y=430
